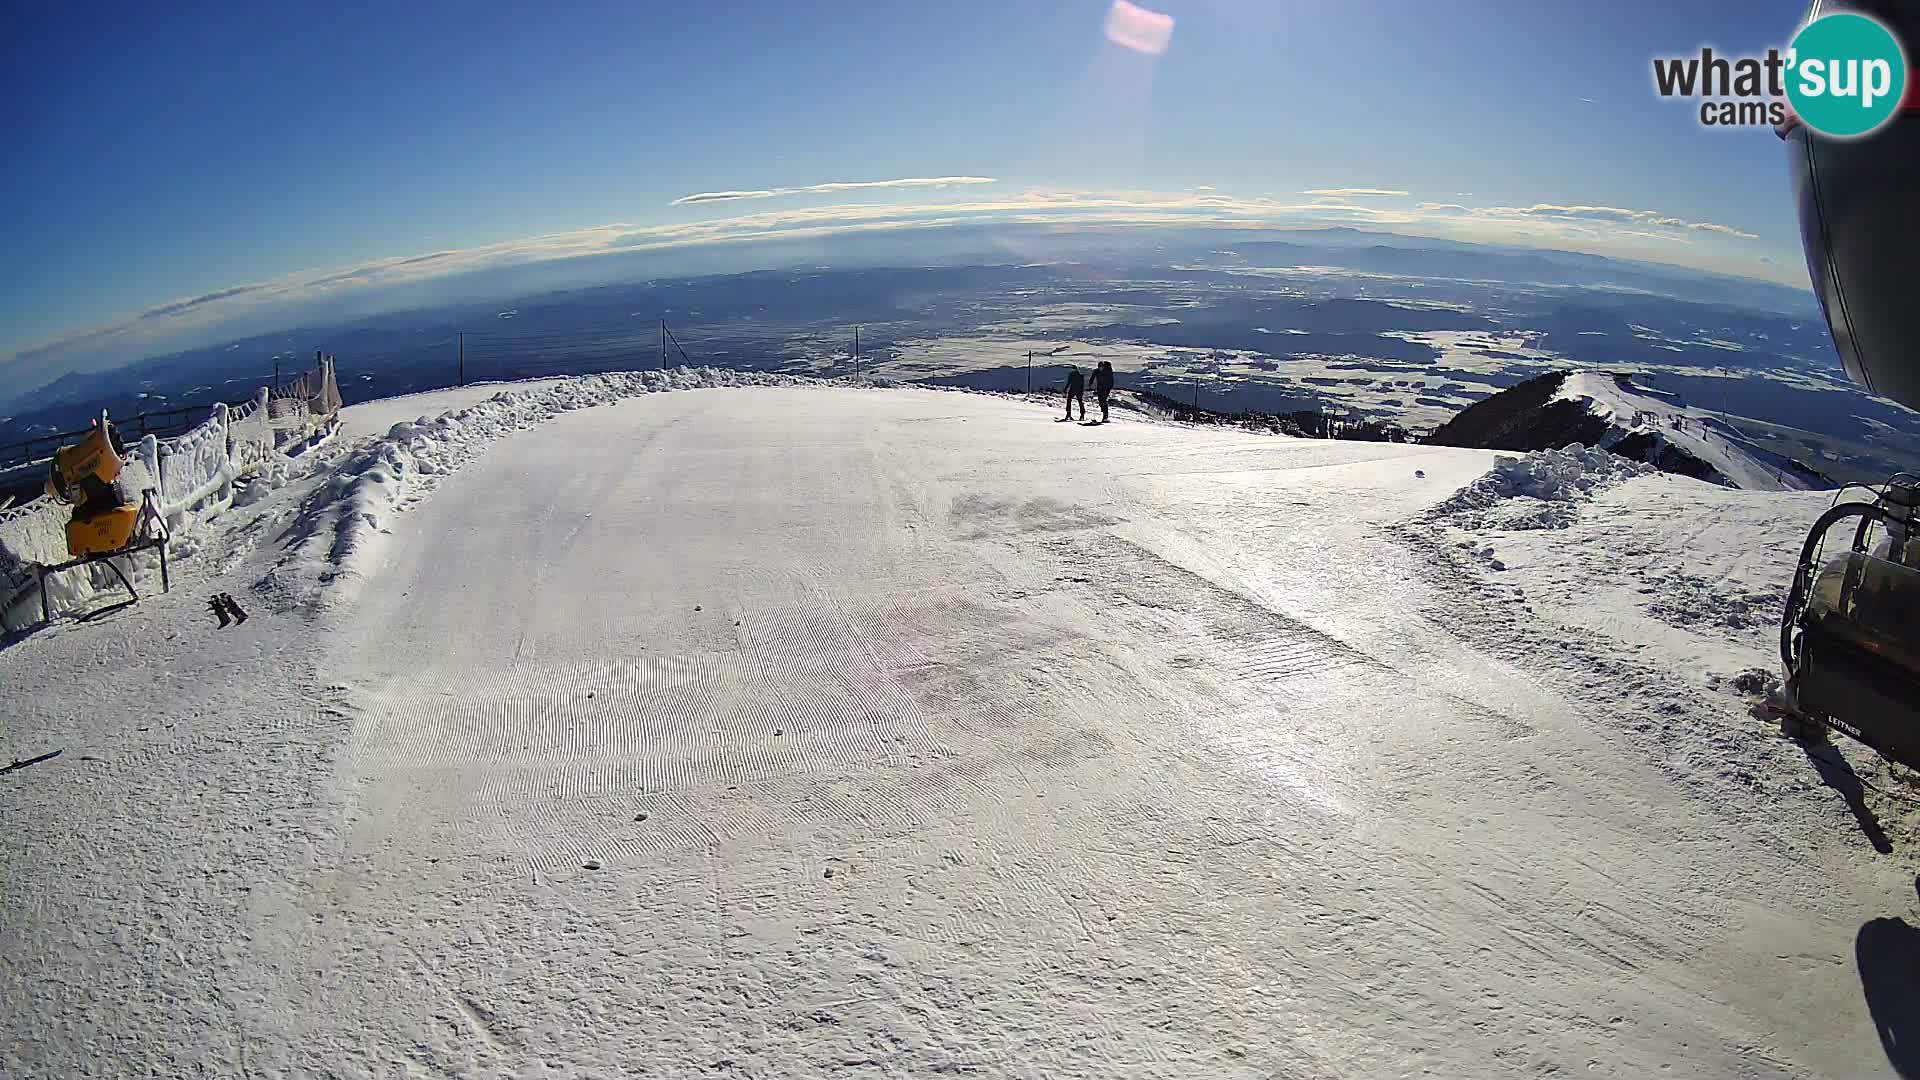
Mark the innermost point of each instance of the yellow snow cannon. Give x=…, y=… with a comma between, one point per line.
x=86, y=476
x=106, y=522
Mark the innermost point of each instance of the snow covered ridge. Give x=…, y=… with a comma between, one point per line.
x=1611, y=412
x=1540, y=490
x=1650, y=425
x=341, y=523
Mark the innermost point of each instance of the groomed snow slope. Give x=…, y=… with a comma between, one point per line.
x=807, y=731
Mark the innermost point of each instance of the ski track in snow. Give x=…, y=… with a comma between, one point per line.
x=906, y=733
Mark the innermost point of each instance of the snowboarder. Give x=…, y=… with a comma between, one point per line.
x=1102, y=386
x=1076, y=391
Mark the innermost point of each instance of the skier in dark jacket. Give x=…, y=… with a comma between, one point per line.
x=1102, y=386
x=1076, y=391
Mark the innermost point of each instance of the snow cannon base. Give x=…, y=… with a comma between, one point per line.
x=144, y=531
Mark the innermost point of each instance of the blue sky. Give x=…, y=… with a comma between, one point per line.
x=162, y=152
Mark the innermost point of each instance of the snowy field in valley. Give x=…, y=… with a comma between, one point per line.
x=797, y=730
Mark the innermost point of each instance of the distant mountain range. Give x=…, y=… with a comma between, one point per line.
x=1397, y=330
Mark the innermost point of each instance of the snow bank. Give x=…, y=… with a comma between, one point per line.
x=1540, y=490
x=339, y=527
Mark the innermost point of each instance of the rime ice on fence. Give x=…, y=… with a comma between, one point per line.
x=196, y=468
x=305, y=407
x=192, y=475
x=249, y=436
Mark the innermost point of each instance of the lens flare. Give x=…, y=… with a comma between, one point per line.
x=1136, y=28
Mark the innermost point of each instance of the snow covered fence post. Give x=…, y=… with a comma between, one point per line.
x=159, y=464
x=225, y=441
x=150, y=455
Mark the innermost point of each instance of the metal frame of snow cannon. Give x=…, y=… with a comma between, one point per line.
x=150, y=534
x=1850, y=634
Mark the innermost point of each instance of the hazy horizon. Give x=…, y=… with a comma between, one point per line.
x=248, y=312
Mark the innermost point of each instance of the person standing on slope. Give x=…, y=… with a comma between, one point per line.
x=1102, y=386
x=1076, y=391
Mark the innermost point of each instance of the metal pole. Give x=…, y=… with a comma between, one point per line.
x=1029, y=371
x=856, y=351
x=1196, y=399
x=663, y=344
x=463, y=358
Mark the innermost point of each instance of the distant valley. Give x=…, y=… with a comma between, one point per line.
x=1375, y=326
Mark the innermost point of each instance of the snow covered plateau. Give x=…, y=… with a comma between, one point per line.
x=764, y=728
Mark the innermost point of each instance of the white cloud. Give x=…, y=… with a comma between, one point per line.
x=1612, y=214
x=1355, y=193
x=1665, y=238
x=832, y=188
x=1708, y=226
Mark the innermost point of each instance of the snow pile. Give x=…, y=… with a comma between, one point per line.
x=273, y=473
x=1755, y=683
x=339, y=525
x=1540, y=490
